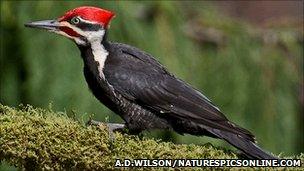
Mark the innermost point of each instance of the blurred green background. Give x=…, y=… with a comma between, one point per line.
x=247, y=60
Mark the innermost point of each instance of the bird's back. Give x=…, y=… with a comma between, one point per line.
x=138, y=77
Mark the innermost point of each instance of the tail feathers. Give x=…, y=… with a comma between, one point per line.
x=250, y=149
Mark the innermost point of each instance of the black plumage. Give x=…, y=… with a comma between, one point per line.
x=147, y=96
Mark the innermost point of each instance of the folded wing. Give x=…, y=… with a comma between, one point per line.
x=141, y=78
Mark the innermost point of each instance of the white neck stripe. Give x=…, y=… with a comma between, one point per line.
x=100, y=55
x=94, y=38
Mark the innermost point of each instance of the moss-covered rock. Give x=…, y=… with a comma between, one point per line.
x=36, y=139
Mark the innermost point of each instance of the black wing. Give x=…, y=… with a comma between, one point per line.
x=139, y=77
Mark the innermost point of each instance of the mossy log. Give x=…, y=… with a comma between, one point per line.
x=40, y=139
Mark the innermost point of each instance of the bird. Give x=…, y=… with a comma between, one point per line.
x=137, y=87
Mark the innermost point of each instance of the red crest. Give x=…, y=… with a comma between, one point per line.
x=93, y=14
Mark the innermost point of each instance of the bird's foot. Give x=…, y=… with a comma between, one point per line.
x=112, y=127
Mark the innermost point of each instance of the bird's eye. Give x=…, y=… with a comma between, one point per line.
x=75, y=20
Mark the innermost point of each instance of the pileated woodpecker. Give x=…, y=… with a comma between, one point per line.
x=138, y=88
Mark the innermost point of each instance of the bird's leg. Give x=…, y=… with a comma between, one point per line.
x=111, y=127
x=116, y=127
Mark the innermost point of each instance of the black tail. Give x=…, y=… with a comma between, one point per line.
x=250, y=149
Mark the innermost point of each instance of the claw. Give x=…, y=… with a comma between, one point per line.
x=111, y=127
x=114, y=127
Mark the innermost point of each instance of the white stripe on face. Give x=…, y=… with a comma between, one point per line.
x=89, y=35
x=94, y=38
x=76, y=39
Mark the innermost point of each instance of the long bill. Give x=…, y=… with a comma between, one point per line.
x=51, y=25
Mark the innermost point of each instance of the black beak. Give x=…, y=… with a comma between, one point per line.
x=51, y=25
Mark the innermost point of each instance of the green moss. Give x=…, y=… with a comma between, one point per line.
x=34, y=138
